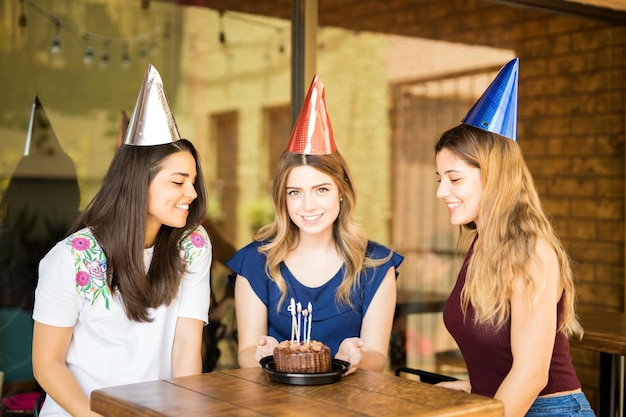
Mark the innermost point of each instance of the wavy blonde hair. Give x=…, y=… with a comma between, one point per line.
x=281, y=236
x=511, y=221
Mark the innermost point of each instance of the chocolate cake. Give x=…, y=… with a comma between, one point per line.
x=307, y=357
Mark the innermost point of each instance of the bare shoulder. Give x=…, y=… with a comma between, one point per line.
x=546, y=253
x=545, y=268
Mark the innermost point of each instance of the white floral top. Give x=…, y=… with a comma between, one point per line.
x=107, y=348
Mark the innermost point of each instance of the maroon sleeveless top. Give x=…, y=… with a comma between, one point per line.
x=487, y=351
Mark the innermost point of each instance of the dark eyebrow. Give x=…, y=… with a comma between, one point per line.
x=182, y=174
x=324, y=184
x=450, y=171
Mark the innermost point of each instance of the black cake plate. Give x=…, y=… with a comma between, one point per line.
x=338, y=368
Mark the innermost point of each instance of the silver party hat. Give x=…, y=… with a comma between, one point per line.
x=152, y=121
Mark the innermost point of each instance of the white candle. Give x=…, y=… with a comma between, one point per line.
x=299, y=309
x=304, y=337
x=310, y=308
x=292, y=309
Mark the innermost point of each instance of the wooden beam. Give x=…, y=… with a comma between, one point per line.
x=585, y=9
x=303, y=51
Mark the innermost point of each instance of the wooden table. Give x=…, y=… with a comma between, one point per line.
x=605, y=332
x=250, y=392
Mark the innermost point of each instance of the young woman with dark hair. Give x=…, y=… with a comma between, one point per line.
x=125, y=296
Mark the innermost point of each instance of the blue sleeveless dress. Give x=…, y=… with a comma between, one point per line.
x=332, y=322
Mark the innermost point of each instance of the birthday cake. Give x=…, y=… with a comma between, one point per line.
x=308, y=357
x=301, y=354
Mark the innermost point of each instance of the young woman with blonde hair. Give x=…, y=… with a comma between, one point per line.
x=511, y=311
x=314, y=252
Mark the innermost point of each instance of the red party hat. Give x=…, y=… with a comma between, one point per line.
x=312, y=133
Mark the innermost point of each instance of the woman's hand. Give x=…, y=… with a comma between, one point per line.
x=460, y=385
x=350, y=351
x=265, y=347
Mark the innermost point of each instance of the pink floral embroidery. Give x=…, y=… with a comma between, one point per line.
x=197, y=240
x=82, y=278
x=90, y=265
x=194, y=245
x=81, y=243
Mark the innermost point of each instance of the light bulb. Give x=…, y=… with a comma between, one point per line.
x=56, y=44
x=88, y=58
x=125, y=59
x=104, y=59
x=21, y=20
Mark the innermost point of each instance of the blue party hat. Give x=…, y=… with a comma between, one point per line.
x=496, y=109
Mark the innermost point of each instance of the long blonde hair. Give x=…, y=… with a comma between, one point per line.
x=510, y=222
x=281, y=236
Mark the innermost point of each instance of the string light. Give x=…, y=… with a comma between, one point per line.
x=222, y=34
x=21, y=20
x=104, y=59
x=148, y=43
x=125, y=57
x=88, y=58
x=166, y=31
x=143, y=52
x=56, y=41
x=59, y=23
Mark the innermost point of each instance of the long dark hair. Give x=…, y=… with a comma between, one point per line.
x=117, y=218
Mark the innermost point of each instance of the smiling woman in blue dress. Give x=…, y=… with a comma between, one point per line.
x=315, y=253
